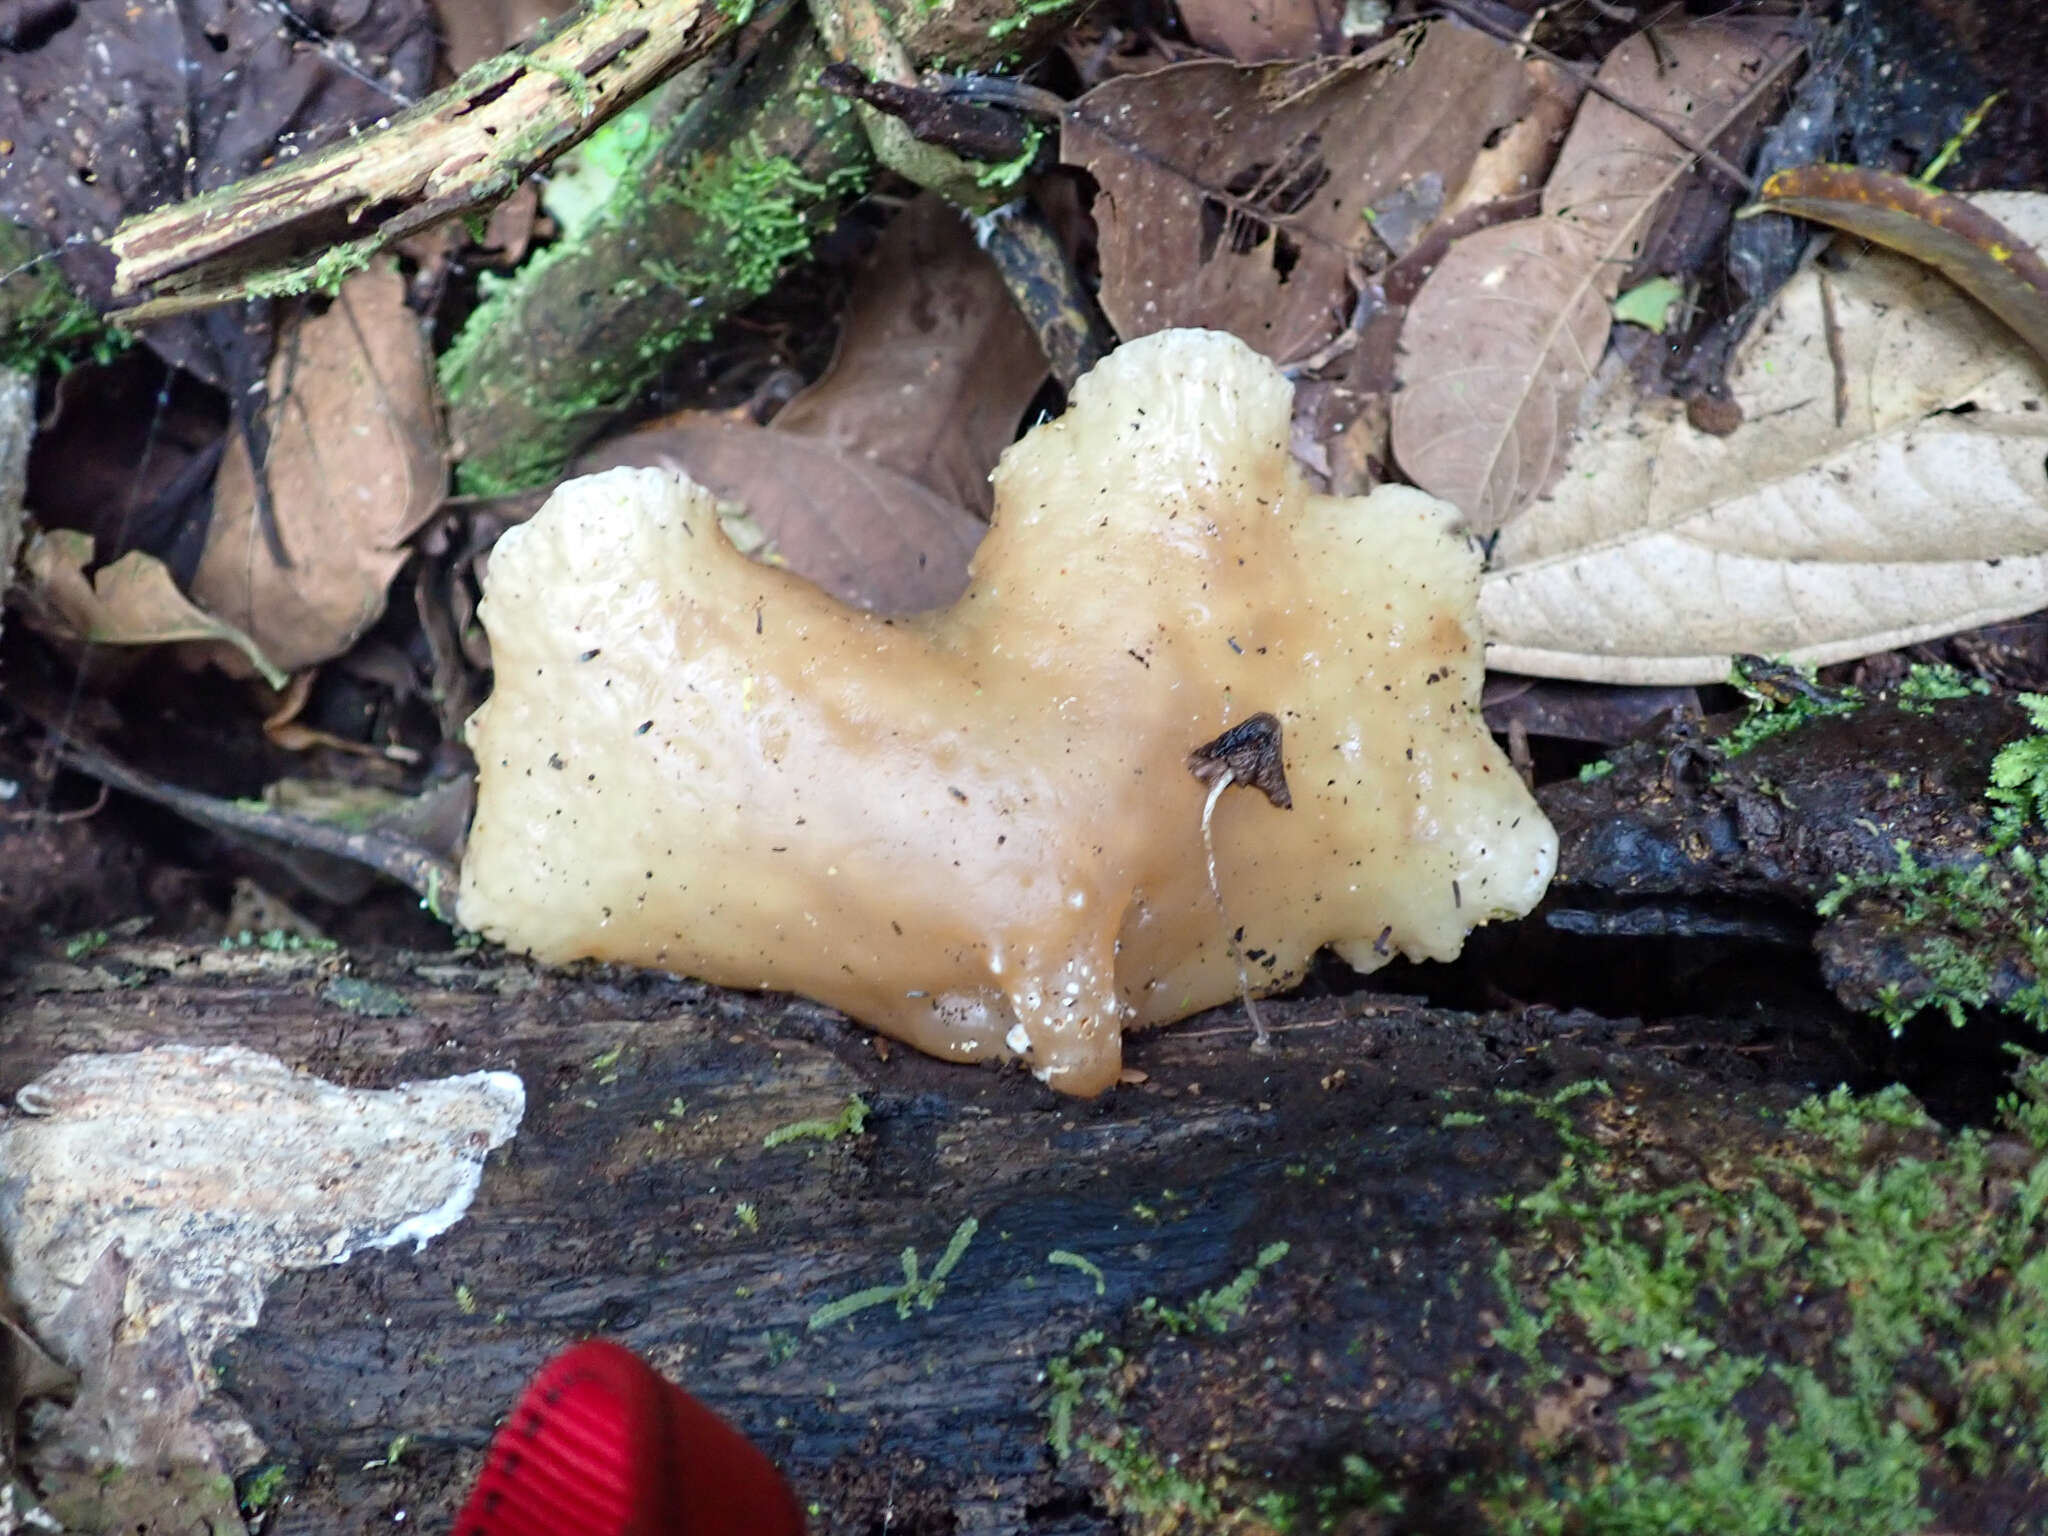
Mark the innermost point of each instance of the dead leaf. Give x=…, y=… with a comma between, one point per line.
x=1517, y=163
x=1243, y=198
x=27, y=1372
x=355, y=467
x=867, y=535
x=935, y=365
x=1950, y=234
x=1509, y=328
x=1664, y=550
x=130, y=602
x=1573, y=711
x=1255, y=31
x=474, y=30
x=108, y=110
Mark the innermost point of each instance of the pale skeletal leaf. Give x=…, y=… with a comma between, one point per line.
x=1896, y=498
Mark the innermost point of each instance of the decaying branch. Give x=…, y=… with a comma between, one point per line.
x=761, y=162
x=313, y=219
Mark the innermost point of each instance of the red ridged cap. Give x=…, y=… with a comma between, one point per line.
x=602, y=1445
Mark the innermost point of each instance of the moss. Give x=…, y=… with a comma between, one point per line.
x=1093, y=1379
x=1812, y=1341
x=1967, y=923
x=850, y=1121
x=583, y=183
x=1924, y=685
x=1088, y=1420
x=605, y=388
x=747, y=213
x=279, y=941
x=1216, y=1309
x=914, y=1290
x=2019, y=774
x=325, y=274
x=757, y=208
x=1004, y=175
x=1022, y=17
x=1085, y=1265
x=572, y=81
x=1782, y=698
x=261, y=1488
x=91, y=942
x=365, y=998
x=43, y=322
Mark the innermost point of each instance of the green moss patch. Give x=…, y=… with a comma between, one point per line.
x=1975, y=931
x=1841, y=1334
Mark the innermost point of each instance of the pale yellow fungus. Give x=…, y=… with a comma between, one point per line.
x=976, y=829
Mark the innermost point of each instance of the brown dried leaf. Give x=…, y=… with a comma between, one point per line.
x=133, y=601
x=1518, y=162
x=1950, y=234
x=108, y=110
x=356, y=466
x=1243, y=198
x=27, y=1372
x=474, y=30
x=935, y=365
x=1254, y=31
x=1507, y=331
x=867, y=535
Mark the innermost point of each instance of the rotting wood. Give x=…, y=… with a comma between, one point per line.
x=1684, y=840
x=742, y=182
x=639, y=1202
x=458, y=151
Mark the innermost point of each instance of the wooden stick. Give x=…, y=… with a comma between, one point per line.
x=306, y=223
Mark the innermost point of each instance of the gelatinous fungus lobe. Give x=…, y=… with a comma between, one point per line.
x=977, y=829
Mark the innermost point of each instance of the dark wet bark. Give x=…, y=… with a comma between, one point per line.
x=1683, y=839
x=621, y=1209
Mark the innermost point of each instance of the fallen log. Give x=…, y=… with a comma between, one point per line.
x=687, y=1181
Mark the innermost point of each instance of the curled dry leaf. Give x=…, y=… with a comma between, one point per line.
x=869, y=536
x=132, y=601
x=1921, y=509
x=935, y=366
x=1253, y=31
x=864, y=482
x=1244, y=198
x=356, y=465
x=1951, y=234
x=1509, y=328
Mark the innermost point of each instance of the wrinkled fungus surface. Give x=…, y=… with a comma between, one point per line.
x=976, y=829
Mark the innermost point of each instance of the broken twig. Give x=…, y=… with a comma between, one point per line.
x=306, y=223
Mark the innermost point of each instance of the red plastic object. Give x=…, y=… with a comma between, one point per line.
x=602, y=1445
